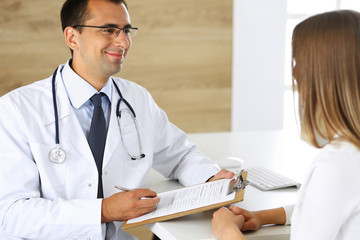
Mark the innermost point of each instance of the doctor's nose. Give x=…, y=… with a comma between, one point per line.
x=122, y=40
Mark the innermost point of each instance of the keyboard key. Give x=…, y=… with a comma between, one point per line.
x=266, y=179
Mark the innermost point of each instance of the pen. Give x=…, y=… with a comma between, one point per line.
x=127, y=190
x=123, y=188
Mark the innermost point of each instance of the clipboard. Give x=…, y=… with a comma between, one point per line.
x=237, y=185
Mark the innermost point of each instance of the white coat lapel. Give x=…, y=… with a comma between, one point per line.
x=113, y=136
x=69, y=126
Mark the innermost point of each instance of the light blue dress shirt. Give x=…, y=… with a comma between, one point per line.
x=79, y=92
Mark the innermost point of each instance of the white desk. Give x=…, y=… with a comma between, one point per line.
x=273, y=149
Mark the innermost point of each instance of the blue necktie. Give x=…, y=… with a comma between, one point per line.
x=97, y=137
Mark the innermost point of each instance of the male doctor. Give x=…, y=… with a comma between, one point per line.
x=62, y=150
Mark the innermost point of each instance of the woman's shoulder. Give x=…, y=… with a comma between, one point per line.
x=338, y=164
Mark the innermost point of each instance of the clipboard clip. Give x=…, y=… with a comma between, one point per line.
x=237, y=183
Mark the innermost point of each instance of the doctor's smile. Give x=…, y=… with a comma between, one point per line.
x=119, y=57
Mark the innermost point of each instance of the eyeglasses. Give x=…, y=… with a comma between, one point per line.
x=113, y=32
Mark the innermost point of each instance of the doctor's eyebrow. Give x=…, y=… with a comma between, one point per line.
x=116, y=26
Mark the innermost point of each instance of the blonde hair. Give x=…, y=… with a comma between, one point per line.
x=326, y=73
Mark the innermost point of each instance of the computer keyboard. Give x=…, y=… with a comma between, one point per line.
x=266, y=179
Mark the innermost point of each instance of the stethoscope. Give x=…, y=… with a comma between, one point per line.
x=58, y=155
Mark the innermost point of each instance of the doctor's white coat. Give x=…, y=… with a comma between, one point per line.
x=40, y=199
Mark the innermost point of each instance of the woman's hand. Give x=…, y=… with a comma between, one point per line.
x=226, y=225
x=252, y=220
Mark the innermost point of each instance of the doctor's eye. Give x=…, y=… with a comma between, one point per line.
x=109, y=31
x=127, y=31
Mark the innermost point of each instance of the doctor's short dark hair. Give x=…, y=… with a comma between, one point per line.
x=75, y=12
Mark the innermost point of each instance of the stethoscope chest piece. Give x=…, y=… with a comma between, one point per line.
x=57, y=155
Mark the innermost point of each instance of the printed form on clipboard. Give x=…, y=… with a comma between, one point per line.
x=193, y=199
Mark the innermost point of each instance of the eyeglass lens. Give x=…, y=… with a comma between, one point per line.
x=114, y=32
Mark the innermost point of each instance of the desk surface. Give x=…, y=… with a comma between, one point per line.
x=280, y=152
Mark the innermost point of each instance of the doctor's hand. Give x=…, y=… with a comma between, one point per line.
x=222, y=174
x=126, y=205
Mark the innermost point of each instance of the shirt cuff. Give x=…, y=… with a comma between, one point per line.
x=288, y=213
x=210, y=178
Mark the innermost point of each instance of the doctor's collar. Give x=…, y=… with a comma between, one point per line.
x=78, y=90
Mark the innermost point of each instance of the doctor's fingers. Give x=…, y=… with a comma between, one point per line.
x=223, y=173
x=141, y=198
x=138, y=207
x=135, y=212
x=141, y=193
x=120, y=207
x=144, y=204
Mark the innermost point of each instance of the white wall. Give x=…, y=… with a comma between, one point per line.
x=258, y=64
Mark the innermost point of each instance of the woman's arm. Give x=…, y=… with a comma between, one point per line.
x=227, y=223
x=255, y=219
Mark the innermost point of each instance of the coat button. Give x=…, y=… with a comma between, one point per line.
x=106, y=173
x=89, y=185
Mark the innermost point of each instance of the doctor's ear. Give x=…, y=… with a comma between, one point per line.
x=70, y=34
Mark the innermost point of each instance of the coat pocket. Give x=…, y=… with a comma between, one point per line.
x=52, y=175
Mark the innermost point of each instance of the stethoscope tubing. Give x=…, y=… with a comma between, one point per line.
x=118, y=113
x=57, y=138
x=57, y=155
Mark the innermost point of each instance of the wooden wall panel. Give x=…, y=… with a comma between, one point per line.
x=182, y=54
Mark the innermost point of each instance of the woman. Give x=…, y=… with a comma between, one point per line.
x=326, y=74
